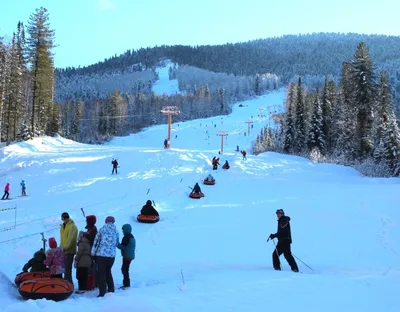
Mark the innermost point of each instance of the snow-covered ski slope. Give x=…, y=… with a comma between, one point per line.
x=163, y=85
x=344, y=226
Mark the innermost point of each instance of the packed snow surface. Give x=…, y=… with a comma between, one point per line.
x=209, y=254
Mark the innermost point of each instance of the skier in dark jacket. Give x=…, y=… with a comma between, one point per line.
x=196, y=189
x=284, y=240
x=149, y=210
x=36, y=263
x=114, y=163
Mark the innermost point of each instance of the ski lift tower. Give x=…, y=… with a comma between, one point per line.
x=170, y=111
x=249, y=122
x=222, y=134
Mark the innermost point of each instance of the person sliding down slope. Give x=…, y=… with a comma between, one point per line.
x=226, y=165
x=284, y=240
x=210, y=178
x=196, y=189
x=149, y=210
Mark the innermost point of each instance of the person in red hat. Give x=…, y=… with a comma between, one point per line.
x=104, y=250
x=55, y=259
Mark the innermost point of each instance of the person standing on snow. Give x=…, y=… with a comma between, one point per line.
x=114, y=163
x=104, y=250
x=244, y=154
x=83, y=262
x=6, y=191
x=284, y=241
x=69, y=236
x=23, y=186
x=127, y=247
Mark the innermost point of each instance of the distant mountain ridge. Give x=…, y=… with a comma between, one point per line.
x=317, y=55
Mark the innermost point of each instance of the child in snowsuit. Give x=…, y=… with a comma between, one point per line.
x=115, y=166
x=196, y=189
x=127, y=247
x=226, y=165
x=83, y=261
x=36, y=264
x=149, y=210
x=6, y=191
x=55, y=259
x=23, y=186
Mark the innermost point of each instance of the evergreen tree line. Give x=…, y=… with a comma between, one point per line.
x=352, y=123
x=120, y=114
x=27, y=108
x=311, y=56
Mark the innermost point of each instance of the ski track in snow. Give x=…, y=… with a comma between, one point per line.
x=209, y=254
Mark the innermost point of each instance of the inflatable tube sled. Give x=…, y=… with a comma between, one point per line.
x=206, y=182
x=55, y=289
x=27, y=276
x=197, y=196
x=147, y=219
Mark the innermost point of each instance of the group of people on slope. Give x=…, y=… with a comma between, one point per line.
x=90, y=252
x=6, y=194
x=215, y=163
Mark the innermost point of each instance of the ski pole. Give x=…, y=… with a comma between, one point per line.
x=44, y=242
x=303, y=262
x=276, y=250
x=83, y=213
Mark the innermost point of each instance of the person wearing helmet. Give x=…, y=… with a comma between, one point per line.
x=284, y=237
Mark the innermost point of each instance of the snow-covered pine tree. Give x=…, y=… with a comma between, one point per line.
x=316, y=136
x=221, y=99
x=289, y=127
x=328, y=100
x=77, y=110
x=343, y=132
x=364, y=97
x=257, y=86
x=384, y=107
x=300, y=122
x=39, y=44
x=391, y=141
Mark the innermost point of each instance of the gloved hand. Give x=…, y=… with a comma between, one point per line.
x=272, y=236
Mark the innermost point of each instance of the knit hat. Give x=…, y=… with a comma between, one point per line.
x=280, y=211
x=110, y=219
x=90, y=221
x=52, y=242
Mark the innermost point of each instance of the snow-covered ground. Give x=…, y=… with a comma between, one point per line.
x=210, y=254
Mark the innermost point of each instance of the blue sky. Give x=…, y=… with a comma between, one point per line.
x=87, y=31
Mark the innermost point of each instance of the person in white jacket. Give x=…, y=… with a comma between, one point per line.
x=103, y=253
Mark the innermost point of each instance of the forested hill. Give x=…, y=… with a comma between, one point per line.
x=313, y=54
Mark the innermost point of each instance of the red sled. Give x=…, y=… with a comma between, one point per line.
x=91, y=281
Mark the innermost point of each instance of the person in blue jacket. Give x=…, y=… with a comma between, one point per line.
x=127, y=246
x=23, y=186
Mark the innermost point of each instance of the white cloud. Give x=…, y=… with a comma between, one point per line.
x=105, y=5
